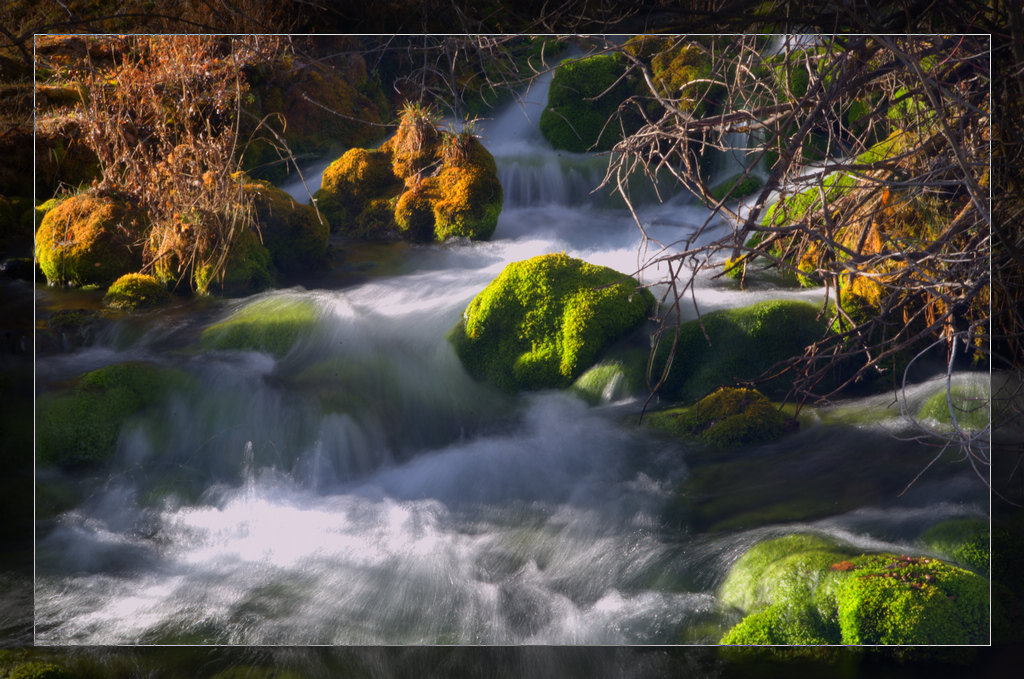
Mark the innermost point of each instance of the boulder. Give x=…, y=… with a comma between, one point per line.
x=543, y=321
x=90, y=239
x=134, y=291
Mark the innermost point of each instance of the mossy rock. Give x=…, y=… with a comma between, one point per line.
x=744, y=343
x=735, y=187
x=545, y=320
x=618, y=375
x=293, y=233
x=272, y=324
x=39, y=670
x=134, y=291
x=351, y=181
x=965, y=541
x=675, y=71
x=889, y=599
x=970, y=405
x=423, y=184
x=804, y=589
x=90, y=239
x=728, y=417
x=246, y=269
x=80, y=426
x=571, y=121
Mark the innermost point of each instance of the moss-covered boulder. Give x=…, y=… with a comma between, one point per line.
x=545, y=320
x=744, y=343
x=582, y=100
x=423, y=184
x=134, y=291
x=246, y=268
x=965, y=541
x=968, y=404
x=808, y=589
x=90, y=239
x=293, y=233
x=727, y=417
x=80, y=425
x=272, y=324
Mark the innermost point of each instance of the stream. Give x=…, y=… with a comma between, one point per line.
x=362, y=489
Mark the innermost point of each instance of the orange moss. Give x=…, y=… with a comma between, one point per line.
x=90, y=239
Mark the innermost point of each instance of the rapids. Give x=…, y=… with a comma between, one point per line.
x=363, y=489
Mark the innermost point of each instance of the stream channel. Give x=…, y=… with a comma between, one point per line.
x=362, y=489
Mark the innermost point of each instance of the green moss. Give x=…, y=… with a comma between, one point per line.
x=735, y=187
x=543, y=321
x=350, y=181
x=769, y=572
x=136, y=291
x=293, y=233
x=744, y=343
x=39, y=670
x=970, y=405
x=779, y=624
x=966, y=541
x=582, y=99
x=81, y=426
x=888, y=599
x=802, y=589
x=617, y=375
x=89, y=239
x=246, y=269
x=272, y=324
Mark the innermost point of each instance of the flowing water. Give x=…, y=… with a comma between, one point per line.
x=363, y=489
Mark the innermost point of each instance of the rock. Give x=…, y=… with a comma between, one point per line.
x=80, y=426
x=90, y=239
x=293, y=233
x=969, y=403
x=246, y=269
x=135, y=291
x=272, y=324
x=544, y=321
x=728, y=417
x=423, y=184
x=744, y=343
x=965, y=541
x=806, y=589
x=572, y=120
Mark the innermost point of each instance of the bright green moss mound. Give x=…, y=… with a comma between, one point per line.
x=728, y=417
x=745, y=342
x=890, y=599
x=272, y=325
x=618, y=375
x=969, y=405
x=90, y=239
x=136, y=291
x=583, y=97
x=966, y=541
x=81, y=426
x=545, y=320
x=805, y=589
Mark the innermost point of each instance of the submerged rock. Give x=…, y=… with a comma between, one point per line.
x=80, y=426
x=272, y=325
x=806, y=589
x=545, y=320
x=423, y=184
x=727, y=417
x=90, y=239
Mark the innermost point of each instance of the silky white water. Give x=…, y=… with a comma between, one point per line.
x=363, y=489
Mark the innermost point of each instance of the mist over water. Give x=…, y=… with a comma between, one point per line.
x=363, y=489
